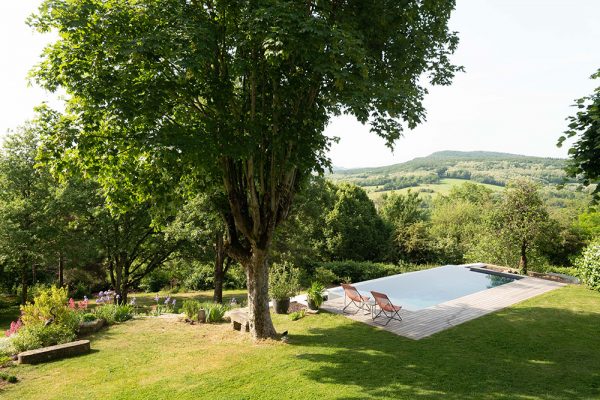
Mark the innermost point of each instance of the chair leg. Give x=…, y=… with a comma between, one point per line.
x=348, y=305
x=391, y=316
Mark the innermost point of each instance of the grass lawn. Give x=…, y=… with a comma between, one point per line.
x=545, y=348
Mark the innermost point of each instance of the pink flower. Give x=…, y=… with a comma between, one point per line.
x=14, y=327
x=71, y=303
x=83, y=304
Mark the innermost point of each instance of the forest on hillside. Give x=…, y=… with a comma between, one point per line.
x=477, y=166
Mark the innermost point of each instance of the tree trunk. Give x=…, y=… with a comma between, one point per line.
x=61, y=268
x=219, y=268
x=257, y=272
x=523, y=260
x=118, y=281
x=24, y=285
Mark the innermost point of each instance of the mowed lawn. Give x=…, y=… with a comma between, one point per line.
x=545, y=348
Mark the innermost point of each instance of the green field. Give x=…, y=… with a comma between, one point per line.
x=443, y=188
x=543, y=348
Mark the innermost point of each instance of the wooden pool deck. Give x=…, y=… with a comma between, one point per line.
x=422, y=323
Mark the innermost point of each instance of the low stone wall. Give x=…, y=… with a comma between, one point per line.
x=54, y=352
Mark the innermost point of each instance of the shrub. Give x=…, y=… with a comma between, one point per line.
x=112, y=313
x=123, y=312
x=6, y=347
x=214, y=311
x=7, y=377
x=33, y=337
x=191, y=308
x=358, y=271
x=588, y=265
x=87, y=317
x=315, y=294
x=155, y=281
x=325, y=276
x=284, y=280
x=50, y=304
x=80, y=290
x=295, y=316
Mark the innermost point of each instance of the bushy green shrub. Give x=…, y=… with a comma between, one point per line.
x=123, y=312
x=315, y=294
x=588, y=265
x=50, y=305
x=6, y=347
x=296, y=315
x=155, y=281
x=214, y=311
x=87, y=317
x=191, y=308
x=325, y=276
x=8, y=377
x=358, y=271
x=34, y=336
x=112, y=313
x=284, y=280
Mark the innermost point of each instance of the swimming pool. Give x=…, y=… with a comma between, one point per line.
x=421, y=289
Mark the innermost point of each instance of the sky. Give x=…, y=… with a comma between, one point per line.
x=526, y=62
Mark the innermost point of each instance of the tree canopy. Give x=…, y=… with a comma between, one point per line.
x=236, y=93
x=584, y=154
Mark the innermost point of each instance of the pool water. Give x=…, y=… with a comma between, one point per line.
x=417, y=290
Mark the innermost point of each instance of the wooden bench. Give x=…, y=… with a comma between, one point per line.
x=238, y=319
x=54, y=352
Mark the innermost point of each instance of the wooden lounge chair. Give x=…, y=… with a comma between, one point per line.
x=357, y=299
x=386, y=307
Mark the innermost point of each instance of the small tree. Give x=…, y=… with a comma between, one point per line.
x=405, y=218
x=521, y=217
x=353, y=230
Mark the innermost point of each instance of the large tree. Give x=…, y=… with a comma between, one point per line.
x=353, y=230
x=584, y=154
x=24, y=200
x=238, y=93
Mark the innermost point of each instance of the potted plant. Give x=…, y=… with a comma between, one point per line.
x=315, y=296
x=283, y=284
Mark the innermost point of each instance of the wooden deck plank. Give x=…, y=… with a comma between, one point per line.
x=426, y=322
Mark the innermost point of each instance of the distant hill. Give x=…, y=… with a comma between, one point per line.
x=479, y=166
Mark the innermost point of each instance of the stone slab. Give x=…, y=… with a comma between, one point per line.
x=54, y=352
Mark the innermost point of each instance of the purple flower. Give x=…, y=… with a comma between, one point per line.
x=156, y=298
x=100, y=293
x=85, y=298
x=167, y=300
x=132, y=301
x=174, y=301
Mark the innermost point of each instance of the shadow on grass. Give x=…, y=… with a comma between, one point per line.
x=531, y=352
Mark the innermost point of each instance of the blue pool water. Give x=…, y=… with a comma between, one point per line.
x=422, y=289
